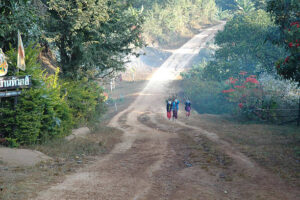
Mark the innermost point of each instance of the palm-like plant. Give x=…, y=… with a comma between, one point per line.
x=245, y=6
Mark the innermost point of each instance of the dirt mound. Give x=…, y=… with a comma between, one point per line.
x=80, y=132
x=21, y=157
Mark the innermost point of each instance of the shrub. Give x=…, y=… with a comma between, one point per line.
x=41, y=112
x=245, y=92
x=85, y=98
x=267, y=98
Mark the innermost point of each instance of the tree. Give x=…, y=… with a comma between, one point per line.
x=287, y=16
x=167, y=21
x=17, y=15
x=236, y=4
x=243, y=47
x=92, y=37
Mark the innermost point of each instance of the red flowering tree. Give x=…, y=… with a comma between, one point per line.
x=286, y=16
x=246, y=92
x=289, y=67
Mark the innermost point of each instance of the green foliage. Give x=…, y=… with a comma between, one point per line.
x=245, y=6
x=51, y=108
x=289, y=68
x=245, y=93
x=267, y=98
x=17, y=15
x=225, y=15
x=92, y=37
x=286, y=16
x=226, y=5
x=85, y=100
x=243, y=47
x=41, y=112
x=241, y=5
x=12, y=142
x=205, y=96
x=169, y=20
x=284, y=12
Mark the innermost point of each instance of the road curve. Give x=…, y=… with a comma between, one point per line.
x=146, y=165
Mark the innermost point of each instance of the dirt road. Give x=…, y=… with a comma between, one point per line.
x=159, y=159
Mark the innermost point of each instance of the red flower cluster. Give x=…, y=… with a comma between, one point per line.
x=251, y=80
x=228, y=91
x=242, y=90
x=278, y=66
x=241, y=105
x=286, y=60
x=297, y=44
x=232, y=80
x=295, y=23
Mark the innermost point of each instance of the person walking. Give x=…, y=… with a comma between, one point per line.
x=175, y=108
x=188, y=107
x=169, y=109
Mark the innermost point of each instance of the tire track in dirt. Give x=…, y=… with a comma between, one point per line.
x=152, y=161
x=259, y=183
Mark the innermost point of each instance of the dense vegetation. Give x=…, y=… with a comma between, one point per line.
x=90, y=39
x=259, y=43
x=167, y=21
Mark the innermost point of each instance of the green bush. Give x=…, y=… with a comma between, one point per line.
x=51, y=108
x=41, y=112
x=12, y=142
x=85, y=100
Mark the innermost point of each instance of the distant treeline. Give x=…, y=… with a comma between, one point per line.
x=167, y=21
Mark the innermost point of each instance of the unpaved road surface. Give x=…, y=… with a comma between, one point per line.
x=159, y=159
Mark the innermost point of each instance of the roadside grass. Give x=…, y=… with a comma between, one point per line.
x=67, y=157
x=273, y=147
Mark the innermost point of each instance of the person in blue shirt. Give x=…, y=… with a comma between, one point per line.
x=188, y=107
x=175, y=108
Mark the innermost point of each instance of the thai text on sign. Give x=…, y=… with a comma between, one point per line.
x=13, y=82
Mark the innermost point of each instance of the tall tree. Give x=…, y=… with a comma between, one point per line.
x=17, y=15
x=92, y=37
x=286, y=15
x=243, y=47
